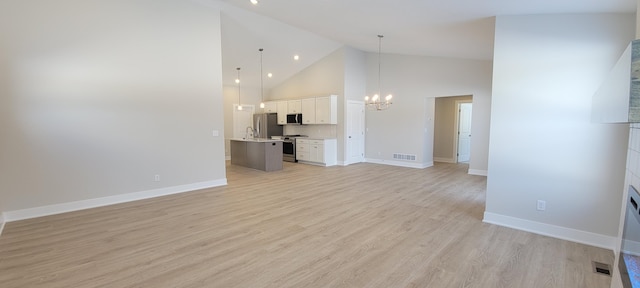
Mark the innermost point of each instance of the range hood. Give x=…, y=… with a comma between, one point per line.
x=618, y=98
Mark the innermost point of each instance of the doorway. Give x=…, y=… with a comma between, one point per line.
x=354, y=152
x=241, y=120
x=448, y=146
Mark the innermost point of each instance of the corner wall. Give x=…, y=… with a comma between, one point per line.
x=415, y=81
x=543, y=144
x=98, y=97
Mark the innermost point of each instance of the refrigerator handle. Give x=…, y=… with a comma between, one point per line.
x=257, y=128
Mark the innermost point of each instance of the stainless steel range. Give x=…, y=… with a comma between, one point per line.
x=289, y=147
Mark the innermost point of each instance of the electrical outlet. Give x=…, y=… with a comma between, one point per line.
x=156, y=178
x=542, y=205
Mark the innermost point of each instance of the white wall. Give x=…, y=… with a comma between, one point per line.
x=324, y=77
x=415, y=81
x=543, y=145
x=97, y=97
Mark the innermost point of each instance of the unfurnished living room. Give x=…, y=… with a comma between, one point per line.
x=134, y=150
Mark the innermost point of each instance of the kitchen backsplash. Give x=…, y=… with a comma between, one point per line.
x=314, y=131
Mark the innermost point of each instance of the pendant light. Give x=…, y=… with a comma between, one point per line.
x=238, y=81
x=375, y=102
x=261, y=84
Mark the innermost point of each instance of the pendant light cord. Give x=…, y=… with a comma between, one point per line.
x=261, y=84
x=379, y=65
x=238, y=86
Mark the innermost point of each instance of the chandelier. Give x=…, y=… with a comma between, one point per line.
x=376, y=102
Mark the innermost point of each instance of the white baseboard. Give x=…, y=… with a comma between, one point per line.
x=399, y=163
x=109, y=200
x=1, y=222
x=477, y=172
x=444, y=160
x=579, y=236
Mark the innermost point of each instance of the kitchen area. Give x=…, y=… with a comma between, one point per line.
x=297, y=131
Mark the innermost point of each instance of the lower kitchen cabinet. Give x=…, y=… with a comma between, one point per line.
x=317, y=151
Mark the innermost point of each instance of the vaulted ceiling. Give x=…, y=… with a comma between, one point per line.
x=312, y=29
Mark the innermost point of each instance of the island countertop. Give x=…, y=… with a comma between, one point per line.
x=256, y=140
x=257, y=153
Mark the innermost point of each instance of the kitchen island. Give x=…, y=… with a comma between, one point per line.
x=257, y=153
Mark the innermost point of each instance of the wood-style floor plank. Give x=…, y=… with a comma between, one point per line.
x=363, y=225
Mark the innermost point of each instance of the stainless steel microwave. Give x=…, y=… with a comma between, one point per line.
x=294, y=118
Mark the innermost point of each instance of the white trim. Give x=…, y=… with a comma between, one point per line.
x=399, y=163
x=1, y=222
x=478, y=172
x=444, y=160
x=109, y=200
x=579, y=236
x=456, y=131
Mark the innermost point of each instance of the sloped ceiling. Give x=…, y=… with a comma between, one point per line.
x=313, y=29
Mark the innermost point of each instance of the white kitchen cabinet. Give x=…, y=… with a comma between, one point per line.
x=294, y=106
x=326, y=110
x=270, y=107
x=281, y=109
x=308, y=108
x=317, y=151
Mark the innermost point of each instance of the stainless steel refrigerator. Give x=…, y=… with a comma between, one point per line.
x=266, y=125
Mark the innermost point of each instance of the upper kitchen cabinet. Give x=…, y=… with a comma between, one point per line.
x=294, y=106
x=618, y=98
x=308, y=108
x=270, y=107
x=282, y=112
x=327, y=110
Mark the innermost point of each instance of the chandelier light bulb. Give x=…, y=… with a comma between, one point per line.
x=262, y=105
x=375, y=98
x=239, y=107
x=237, y=81
x=270, y=75
x=254, y=2
x=366, y=98
x=388, y=97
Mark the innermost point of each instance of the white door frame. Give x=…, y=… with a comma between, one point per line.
x=347, y=152
x=456, y=132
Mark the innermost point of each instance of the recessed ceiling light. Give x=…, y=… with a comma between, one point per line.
x=296, y=57
x=254, y=2
x=269, y=75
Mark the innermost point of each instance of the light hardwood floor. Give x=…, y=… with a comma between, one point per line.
x=364, y=225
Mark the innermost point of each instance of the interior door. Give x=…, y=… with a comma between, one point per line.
x=241, y=120
x=355, y=132
x=464, y=131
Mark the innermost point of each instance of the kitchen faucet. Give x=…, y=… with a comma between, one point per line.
x=247, y=131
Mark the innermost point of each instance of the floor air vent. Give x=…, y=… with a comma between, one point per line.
x=601, y=268
x=406, y=157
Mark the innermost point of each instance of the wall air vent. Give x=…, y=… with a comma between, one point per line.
x=405, y=157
